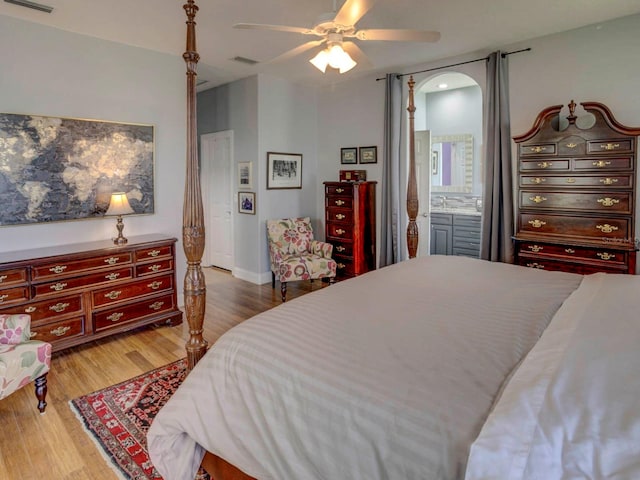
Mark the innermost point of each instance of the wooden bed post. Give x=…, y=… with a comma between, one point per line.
x=412, y=184
x=193, y=235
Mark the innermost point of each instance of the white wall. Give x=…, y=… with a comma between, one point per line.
x=45, y=71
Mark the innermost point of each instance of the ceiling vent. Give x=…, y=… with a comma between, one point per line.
x=248, y=61
x=31, y=5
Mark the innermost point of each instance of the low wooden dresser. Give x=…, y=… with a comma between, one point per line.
x=350, y=209
x=80, y=292
x=577, y=192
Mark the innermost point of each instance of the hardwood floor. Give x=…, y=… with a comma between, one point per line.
x=54, y=445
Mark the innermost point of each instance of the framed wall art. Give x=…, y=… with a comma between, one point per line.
x=56, y=169
x=284, y=170
x=349, y=155
x=247, y=202
x=368, y=154
x=245, y=179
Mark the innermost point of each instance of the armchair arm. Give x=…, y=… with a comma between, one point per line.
x=323, y=249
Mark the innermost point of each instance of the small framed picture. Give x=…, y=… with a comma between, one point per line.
x=349, y=155
x=368, y=154
x=247, y=202
x=244, y=175
x=284, y=170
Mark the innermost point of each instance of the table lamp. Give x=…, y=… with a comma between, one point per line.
x=118, y=206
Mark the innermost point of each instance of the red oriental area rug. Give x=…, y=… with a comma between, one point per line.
x=118, y=417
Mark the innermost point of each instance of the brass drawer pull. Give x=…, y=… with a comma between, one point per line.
x=538, y=180
x=538, y=149
x=156, y=305
x=536, y=248
x=341, y=265
x=545, y=164
x=111, y=260
x=58, y=286
x=3, y=298
x=60, y=331
x=113, y=294
x=112, y=276
x=606, y=228
x=58, y=269
x=30, y=309
x=537, y=223
x=339, y=190
x=3, y=278
x=59, y=307
x=571, y=180
x=569, y=250
x=608, y=202
x=154, y=253
x=571, y=145
x=340, y=248
x=154, y=285
x=340, y=231
x=610, y=146
x=33, y=334
x=608, y=181
x=538, y=199
x=340, y=216
x=535, y=265
x=606, y=256
x=114, y=317
x=601, y=163
x=154, y=268
x=339, y=202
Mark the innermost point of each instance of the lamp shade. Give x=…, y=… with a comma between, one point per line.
x=335, y=57
x=119, y=205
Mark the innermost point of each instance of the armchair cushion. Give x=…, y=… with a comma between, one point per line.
x=14, y=329
x=323, y=249
x=21, y=364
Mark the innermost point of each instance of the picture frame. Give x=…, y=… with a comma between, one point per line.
x=349, y=155
x=284, y=170
x=368, y=154
x=245, y=177
x=247, y=203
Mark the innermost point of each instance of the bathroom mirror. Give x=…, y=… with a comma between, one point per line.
x=452, y=163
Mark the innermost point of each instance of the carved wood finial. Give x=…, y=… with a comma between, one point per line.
x=572, y=112
x=412, y=185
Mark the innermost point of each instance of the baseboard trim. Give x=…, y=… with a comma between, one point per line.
x=257, y=278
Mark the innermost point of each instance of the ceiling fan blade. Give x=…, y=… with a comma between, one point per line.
x=297, y=51
x=352, y=11
x=279, y=28
x=398, y=35
x=357, y=54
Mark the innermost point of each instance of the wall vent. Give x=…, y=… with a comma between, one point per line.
x=32, y=5
x=248, y=61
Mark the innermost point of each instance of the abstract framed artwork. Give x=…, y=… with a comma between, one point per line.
x=284, y=170
x=55, y=169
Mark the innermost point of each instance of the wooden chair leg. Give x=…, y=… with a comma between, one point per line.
x=283, y=290
x=273, y=280
x=41, y=392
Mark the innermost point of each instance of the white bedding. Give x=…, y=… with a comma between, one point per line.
x=386, y=376
x=572, y=409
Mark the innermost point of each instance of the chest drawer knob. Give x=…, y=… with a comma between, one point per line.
x=154, y=285
x=30, y=309
x=113, y=294
x=33, y=334
x=606, y=256
x=58, y=269
x=606, y=228
x=3, y=278
x=58, y=286
x=111, y=260
x=60, y=331
x=608, y=181
x=154, y=253
x=601, y=163
x=608, y=202
x=538, y=199
x=545, y=164
x=341, y=265
x=156, y=305
x=536, y=248
x=537, y=223
x=340, y=248
x=571, y=180
x=112, y=276
x=569, y=250
x=339, y=190
x=538, y=149
x=610, y=146
x=340, y=231
x=538, y=180
x=3, y=298
x=571, y=145
x=340, y=216
x=535, y=265
x=154, y=268
x=59, y=307
x=339, y=202
x=114, y=317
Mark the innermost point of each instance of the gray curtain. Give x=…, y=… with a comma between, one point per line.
x=498, y=211
x=390, y=246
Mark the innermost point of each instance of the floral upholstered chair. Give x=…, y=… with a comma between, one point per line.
x=22, y=360
x=295, y=255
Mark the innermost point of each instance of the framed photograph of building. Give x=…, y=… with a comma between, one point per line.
x=368, y=154
x=245, y=179
x=284, y=170
x=247, y=202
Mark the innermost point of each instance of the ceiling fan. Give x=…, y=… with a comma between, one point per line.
x=333, y=28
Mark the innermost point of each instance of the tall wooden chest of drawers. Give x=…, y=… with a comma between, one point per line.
x=350, y=214
x=576, y=192
x=80, y=292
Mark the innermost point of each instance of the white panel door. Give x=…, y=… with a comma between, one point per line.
x=216, y=158
x=423, y=174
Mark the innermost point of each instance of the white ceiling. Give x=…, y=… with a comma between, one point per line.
x=466, y=26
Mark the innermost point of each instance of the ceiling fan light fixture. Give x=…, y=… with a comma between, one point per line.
x=320, y=61
x=335, y=57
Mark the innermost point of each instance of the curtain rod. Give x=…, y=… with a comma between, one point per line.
x=400, y=75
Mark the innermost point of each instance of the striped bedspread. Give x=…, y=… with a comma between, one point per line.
x=386, y=376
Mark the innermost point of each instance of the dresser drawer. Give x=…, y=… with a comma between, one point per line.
x=578, y=181
x=537, y=149
x=119, y=315
x=70, y=268
x=343, y=248
x=344, y=202
x=65, y=284
x=586, y=227
x=336, y=214
x=119, y=293
x=49, y=308
x=552, y=165
x=153, y=268
x=344, y=266
x=345, y=189
x=618, y=202
x=13, y=277
x=568, y=266
x=56, y=331
x=9, y=296
x=152, y=253
x=577, y=253
x=339, y=230
x=620, y=163
x=610, y=146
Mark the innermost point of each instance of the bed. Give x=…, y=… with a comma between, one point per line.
x=434, y=368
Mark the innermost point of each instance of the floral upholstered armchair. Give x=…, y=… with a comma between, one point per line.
x=22, y=360
x=295, y=255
